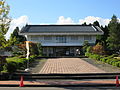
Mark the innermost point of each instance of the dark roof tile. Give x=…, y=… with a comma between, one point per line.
x=60, y=29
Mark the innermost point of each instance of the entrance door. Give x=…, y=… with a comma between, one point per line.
x=62, y=51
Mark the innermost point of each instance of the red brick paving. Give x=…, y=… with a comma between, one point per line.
x=58, y=82
x=69, y=65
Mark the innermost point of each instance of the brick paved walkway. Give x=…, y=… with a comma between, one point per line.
x=58, y=82
x=69, y=65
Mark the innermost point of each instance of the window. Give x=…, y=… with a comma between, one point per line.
x=34, y=38
x=47, y=37
x=61, y=39
x=71, y=50
x=87, y=38
x=74, y=37
x=50, y=50
x=44, y=50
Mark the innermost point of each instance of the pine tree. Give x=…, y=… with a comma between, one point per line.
x=15, y=38
x=96, y=23
x=4, y=22
x=99, y=37
x=114, y=34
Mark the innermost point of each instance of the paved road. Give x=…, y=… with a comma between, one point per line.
x=69, y=65
x=60, y=88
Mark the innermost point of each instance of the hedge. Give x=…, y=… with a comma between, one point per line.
x=109, y=59
x=15, y=63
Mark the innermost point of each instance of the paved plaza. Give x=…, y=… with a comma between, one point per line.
x=69, y=65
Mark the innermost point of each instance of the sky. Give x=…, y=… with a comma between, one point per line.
x=61, y=12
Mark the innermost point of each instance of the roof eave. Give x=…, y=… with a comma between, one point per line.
x=96, y=33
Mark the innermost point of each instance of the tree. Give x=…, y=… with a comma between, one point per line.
x=15, y=38
x=85, y=46
x=104, y=37
x=39, y=46
x=4, y=26
x=35, y=49
x=99, y=37
x=98, y=49
x=96, y=23
x=84, y=24
x=4, y=22
x=114, y=35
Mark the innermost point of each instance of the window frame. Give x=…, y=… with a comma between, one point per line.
x=87, y=37
x=74, y=38
x=61, y=39
x=47, y=38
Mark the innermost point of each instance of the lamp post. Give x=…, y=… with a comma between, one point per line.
x=27, y=55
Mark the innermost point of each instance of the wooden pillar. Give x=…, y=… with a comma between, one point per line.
x=47, y=52
x=74, y=51
x=54, y=51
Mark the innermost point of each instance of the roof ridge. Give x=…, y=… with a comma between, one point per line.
x=60, y=25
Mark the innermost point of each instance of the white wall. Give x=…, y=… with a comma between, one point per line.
x=53, y=42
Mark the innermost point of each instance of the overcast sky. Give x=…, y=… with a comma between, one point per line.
x=61, y=11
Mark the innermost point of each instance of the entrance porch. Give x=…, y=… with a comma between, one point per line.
x=61, y=51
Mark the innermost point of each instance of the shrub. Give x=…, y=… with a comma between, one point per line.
x=33, y=56
x=98, y=49
x=115, y=55
x=2, y=62
x=103, y=59
x=96, y=57
x=109, y=59
x=89, y=49
x=87, y=54
x=15, y=63
x=11, y=67
x=93, y=56
x=85, y=46
x=117, y=64
x=21, y=63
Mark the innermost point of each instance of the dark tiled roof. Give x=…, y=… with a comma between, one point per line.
x=60, y=29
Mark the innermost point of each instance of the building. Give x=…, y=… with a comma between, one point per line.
x=61, y=40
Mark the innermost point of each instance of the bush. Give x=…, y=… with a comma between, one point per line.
x=118, y=63
x=87, y=54
x=89, y=49
x=15, y=63
x=21, y=63
x=98, y=49
x=33, y=56
x=109, y=59
x=11, y=67
x=93, y=56
x=96, y=57
x=85, y=46
x=103, y=59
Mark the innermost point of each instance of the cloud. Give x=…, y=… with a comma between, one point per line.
x=88, y=20
x=63, y=20
x=91, y=19
x=19, y=22
x=23, y=20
